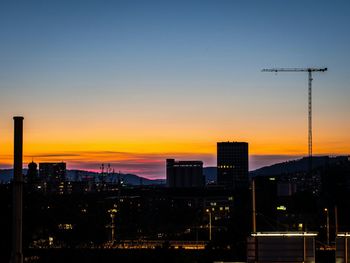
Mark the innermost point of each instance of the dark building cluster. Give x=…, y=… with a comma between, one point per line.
x=51, y=177
x=232, y=168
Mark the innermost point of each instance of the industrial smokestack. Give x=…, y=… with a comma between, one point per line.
x=17, y=256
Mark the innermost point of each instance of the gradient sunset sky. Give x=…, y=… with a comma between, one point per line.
x=134, y=82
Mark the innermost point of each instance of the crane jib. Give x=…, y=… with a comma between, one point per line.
x=295, y=70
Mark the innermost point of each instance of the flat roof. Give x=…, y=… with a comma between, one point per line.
x=283, y=234
x=345, y=234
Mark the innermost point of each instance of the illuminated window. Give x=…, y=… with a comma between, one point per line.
x=281, y=208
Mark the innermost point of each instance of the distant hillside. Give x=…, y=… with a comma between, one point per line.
x=295, y=166
x=131, y=179
x=7, y=174
x=77, y=175
x=210, y=174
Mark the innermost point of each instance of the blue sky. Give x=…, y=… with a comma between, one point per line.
x=174, y=70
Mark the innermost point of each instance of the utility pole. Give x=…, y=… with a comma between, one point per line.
x=309, y=71
x=336, y=220
x=102, y=179
x=253, y=206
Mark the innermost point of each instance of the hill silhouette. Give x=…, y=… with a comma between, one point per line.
x=297, y=166
x=78, y=175
x=210, y=173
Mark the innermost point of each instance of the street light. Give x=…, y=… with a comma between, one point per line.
x=209, y=212
x=327, y=214
x=112, y=213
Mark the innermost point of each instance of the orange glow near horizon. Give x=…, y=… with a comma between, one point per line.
x=141, y=152
x=141, y=144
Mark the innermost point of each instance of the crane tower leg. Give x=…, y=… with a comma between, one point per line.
x=310, y=121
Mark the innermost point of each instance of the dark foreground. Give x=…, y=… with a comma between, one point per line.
x=130, y=256
x=127, y=256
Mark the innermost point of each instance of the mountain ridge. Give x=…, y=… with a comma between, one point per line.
x=298, y=165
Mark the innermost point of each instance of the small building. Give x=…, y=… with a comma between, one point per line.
x=184, y=174
x=281, y=247
x=342, y=247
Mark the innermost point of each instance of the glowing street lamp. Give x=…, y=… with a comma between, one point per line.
x=112, y=213
x=209, y=212
x=327, y=214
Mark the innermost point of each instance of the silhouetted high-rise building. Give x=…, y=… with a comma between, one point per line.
x=184, y=173
x=52, y=172
x=32, y=173
x=232, y=164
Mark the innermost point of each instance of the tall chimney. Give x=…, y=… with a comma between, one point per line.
x=17, y=256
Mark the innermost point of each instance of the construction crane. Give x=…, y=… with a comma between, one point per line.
x=309, y=70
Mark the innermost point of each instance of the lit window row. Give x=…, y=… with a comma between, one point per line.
x=226, y=166
x=65, y=226
x=281, y=207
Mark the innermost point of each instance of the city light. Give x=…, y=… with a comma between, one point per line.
x=65, y=226
x=346, y=234
x=281, y=208
x=283, y=234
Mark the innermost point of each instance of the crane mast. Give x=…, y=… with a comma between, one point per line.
x=309, y=71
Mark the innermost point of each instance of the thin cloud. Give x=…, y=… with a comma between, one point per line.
x=51, y=155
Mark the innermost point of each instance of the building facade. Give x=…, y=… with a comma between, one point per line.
x=232, y=164
x=52, y=172
x=184, y=173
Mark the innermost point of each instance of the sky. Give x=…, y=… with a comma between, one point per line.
x=132, y=83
